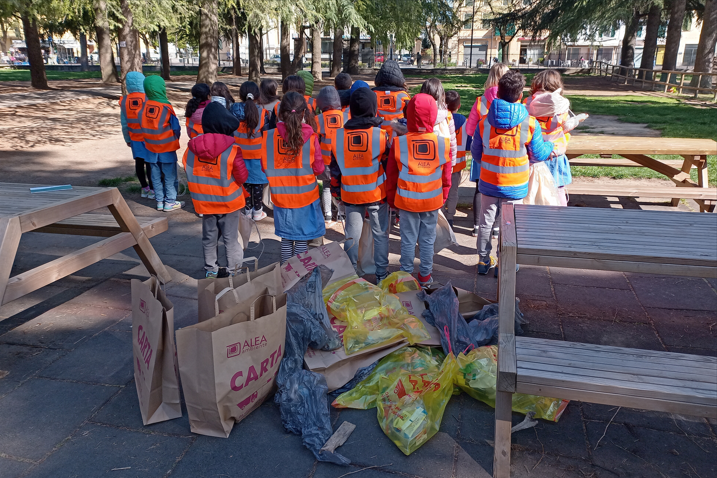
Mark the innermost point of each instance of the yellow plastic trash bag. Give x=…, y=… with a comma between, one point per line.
x=411, y=406
x=477, y=378
x=408, y=360
x=374, y=317
x=399, y=282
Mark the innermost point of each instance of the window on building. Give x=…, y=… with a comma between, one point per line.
x=469, y=3
x=687, y=23
x=486, y=23
x=640, y=30
x=688, y=59
x=467, y=21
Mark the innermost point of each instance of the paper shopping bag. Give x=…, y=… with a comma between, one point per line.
x=229, y=363
x=154, y=354
x=331, y=255
x=365, y=263
x=246, y=224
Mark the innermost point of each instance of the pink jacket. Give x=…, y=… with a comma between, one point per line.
x=474, y=117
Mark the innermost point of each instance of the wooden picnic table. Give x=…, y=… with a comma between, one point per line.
x=603, y=239
x=66, y=212
x=636, y=151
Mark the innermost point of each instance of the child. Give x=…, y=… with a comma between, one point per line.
x=130, y=108
x=418, y=177
x=195, y=108
x=221, y=94
x=252, y=121
x=479, y=110
x=391, y=94
x=215, y=195
x=506, y=139
x=330, y=120
x=453, y=102
x=291, y=158
x=551, y=109
x=269, y=99
x=357, y=174
x=292, y=83
x=161, y=132
x=343, y=82
x=308, y=89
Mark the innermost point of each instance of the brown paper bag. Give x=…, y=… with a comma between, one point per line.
x=229, y=363
x=470, y=304
x=331, y=255
x=155, y=357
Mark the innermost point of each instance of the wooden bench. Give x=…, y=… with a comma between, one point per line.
x=698, y=194
x=635, y=150
x=103, y=225
x=604, y=239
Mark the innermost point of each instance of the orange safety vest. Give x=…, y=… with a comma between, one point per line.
x=250, y=143
x=462, y=140
x=131, y=106
x=420, y=158
x=390, y=107
x=291, y=177
x=211, y=183
x=156, y=129
x=358, y=153
x=194, y=129
x=552, y=129
x=483, y=106
x=328, y=122
x=505, y=156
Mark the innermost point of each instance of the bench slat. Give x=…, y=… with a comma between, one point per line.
x=644, y=192
x=621, y=163
x=103, y=225
x=591, y=144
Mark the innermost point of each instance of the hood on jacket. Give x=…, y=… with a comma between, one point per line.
x=345, y=96
x=504, y=115
x=220, y=100
x=308, y=81
x=421, y=113
x=328, y=99
x=217, y=119
x=390, y=75
x=364, y=109
x=359, y=84
x=548, y=104
x=491, y=93
x=134, y=81
x=155, y=89
x=210, y=145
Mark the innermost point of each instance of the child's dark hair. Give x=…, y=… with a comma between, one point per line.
x=220, y=89
x=200, y=93
x=453, y=101
x=293, y=83
x=269, y=89
x=249, y=94
x=510, y=86
x=434, y=87
x=292, y=111
x=343, y=81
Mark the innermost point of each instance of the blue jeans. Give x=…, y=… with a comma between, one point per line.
x=418, y=228
x=378, y=218
x=165, y=182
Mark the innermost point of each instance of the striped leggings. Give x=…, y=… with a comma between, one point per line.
x=291, y=248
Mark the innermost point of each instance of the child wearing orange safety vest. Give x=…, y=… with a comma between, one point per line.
x=506, y=140
x=130, y=108
x=195, y=108
x=418, y=178
x=391, y=94
x=463, y=144
x=269, y=99
x=161, y=132
x=295, y=83
x=291, y=159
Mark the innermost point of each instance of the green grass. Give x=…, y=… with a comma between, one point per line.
x=24, y=75
x=115, y=182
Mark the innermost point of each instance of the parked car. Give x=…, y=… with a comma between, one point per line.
x=379, y=57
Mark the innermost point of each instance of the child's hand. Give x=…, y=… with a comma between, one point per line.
x=582, y=117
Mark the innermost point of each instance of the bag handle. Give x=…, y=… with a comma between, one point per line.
x=239, y=267
x=252, y=308
x=158, y=282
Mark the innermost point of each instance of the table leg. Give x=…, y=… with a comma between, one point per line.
x=686, y=167
x=10, y=233
x=125, y=218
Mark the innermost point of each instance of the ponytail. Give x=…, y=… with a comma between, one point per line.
x=249, y=94
x=292, y=111
x=200, y=94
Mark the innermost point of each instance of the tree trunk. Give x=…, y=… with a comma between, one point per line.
x=261, y=51
x=130, y=57
x=672, y=42
x=236, y=58
x=354, y=45
x=629, y=40
x=208, y=42
x=504, y=47
x=83, y=52
x=650, y=47
x=147, y=52
x=337, y=62
x=285, y=48
x=299, y=49
x=316, y=52
x=164, y=52
x=4, y=38
x=254, y=54
x=104, y=43
x=706, y=48
x=34, y=53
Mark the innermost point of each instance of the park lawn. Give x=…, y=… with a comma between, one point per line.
x=7, y=74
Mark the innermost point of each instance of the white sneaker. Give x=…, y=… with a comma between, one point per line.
x=160, y=206
x=258, y=215
x=145, y=193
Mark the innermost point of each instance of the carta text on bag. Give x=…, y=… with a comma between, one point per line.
x=144, y=347
x=242, y=379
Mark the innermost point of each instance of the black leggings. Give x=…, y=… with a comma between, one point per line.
x=139, y=168
x=256, y=192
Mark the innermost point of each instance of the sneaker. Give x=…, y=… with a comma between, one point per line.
x=210, y=275
x=380, y=279
x=483, y=267
x=160, y=206
x=173, y=206
x=223, y=272
x=145, y=192
x=476, y=231
x=495, y=271
x=258, y=215
x=328, y=219
x=496, y=231
x=425, y=281
x=150, y=194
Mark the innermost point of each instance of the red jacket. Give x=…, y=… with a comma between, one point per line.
x=421, y=116
x=211, y=145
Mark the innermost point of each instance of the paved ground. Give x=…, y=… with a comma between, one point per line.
x=68, y=406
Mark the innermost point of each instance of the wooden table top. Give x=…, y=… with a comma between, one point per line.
x=664, y=237
x=17, y=200
x=604, y=144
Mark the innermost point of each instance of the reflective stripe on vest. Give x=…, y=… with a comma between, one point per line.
x=391, y=103
x=483, y=107
x=156, y=128
x=311, y=103
x=211, y=182
x=505, y=166
x=131, y=106
x=250, y=144
x=292, y=180
x=329, y=122
x=552, y=130
x=462, y=140
x=358, y=154
x=421, y=158
x=194, y=129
